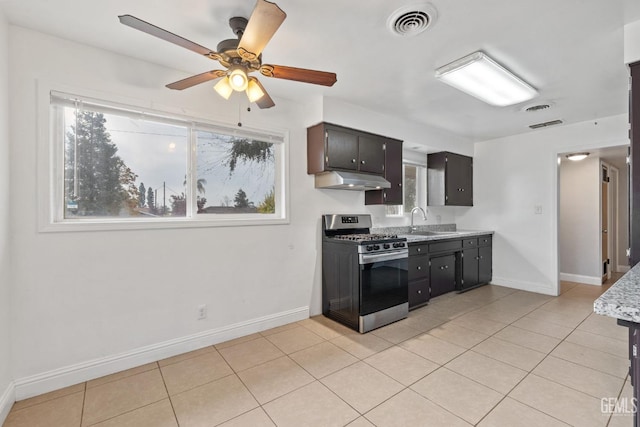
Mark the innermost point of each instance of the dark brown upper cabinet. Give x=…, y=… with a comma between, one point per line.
x=331, y=147
x=392, y=173
x=449, y=179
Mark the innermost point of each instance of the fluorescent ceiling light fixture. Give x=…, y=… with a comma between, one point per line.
x=576, y=157
x=482, y=77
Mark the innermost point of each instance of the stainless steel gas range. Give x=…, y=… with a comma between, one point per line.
x=364, y=275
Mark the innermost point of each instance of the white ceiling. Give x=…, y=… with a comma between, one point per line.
x=570, y=50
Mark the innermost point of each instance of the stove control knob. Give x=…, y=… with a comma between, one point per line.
x=369, y=248
x=376, y=247
x=386, y=246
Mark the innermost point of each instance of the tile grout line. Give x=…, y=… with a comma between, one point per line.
x=84, y=399
x=173, y=409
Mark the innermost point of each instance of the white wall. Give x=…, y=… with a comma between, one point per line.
x=88, y=303
x=6, y=390
x=632, y=42
x=512, y=175
x=579, y=223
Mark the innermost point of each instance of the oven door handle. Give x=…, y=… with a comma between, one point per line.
x=388, y=256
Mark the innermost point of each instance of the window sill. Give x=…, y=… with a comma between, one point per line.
x=173, y=223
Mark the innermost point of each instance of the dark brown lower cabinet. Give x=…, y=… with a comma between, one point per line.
x=476, y=265
x=443, y=274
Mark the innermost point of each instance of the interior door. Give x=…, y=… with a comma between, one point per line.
x=604, y=207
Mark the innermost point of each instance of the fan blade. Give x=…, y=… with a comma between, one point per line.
x=151, y=29
x=265, y=19
x=299, y=74
x=197, y=79
x=265, y=101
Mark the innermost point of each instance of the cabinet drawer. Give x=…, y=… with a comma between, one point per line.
x=418, y=293
x=484, y=241
x=470, y=242
x=418, y=267
x=418, y=249
x=450, y=245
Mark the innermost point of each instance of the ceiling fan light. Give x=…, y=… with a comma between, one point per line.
x=254, y=91
x=482, y=77
x=223, y=88
x=238, y=78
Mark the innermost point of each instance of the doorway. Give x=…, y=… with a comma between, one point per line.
x=593, y=216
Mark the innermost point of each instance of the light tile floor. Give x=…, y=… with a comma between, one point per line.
x=493, y=356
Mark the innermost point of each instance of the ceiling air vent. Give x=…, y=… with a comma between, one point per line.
x=545, y=124
x=537, y=108
x=413, y=19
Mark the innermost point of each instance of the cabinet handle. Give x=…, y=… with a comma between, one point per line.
x=419, y=250
x=462, y=189
x=353, y=160
x=419, y=291
x=477, y=257
x=419, y=268
x=362, y=162
x=481, y=257
x=400, y=185
x=446, y=267
x=442, y=267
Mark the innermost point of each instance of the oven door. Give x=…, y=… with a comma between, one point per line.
x=383, y=280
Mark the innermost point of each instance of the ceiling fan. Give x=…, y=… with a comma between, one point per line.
x=240, y=56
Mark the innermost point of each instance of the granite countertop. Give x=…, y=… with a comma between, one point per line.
x=443, y=231
x=458, y=234
x=622, y=300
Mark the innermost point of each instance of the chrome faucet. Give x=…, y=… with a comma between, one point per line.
x=424, y=216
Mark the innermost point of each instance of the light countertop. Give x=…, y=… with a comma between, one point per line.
x=622, y=300
x=458, y=234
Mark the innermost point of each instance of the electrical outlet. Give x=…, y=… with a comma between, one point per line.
x=202, y=312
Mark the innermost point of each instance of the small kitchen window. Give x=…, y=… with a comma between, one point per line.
x=115, y=166
x=414, y=178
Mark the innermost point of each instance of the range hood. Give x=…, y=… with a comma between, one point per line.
x=350, y=181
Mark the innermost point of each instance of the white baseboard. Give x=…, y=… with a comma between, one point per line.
x=7, y=399
x=587, y=280
x=522, y=285
x=622, y=268
x=74, y=374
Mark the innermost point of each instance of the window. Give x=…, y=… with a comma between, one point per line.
x=414, y=178
x=118, y=165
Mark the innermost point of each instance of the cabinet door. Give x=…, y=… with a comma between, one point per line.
x=443, y=274
x=393, y=172
x=371, y=154
x=418, y=293
x=342, y=150
x=470, y=260
x=485, y=271
x=459, y=180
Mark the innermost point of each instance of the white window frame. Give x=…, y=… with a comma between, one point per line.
x=421, y=196
x=51, y=167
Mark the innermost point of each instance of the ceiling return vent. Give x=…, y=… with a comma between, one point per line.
x=412, y=19
x=545, y=124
